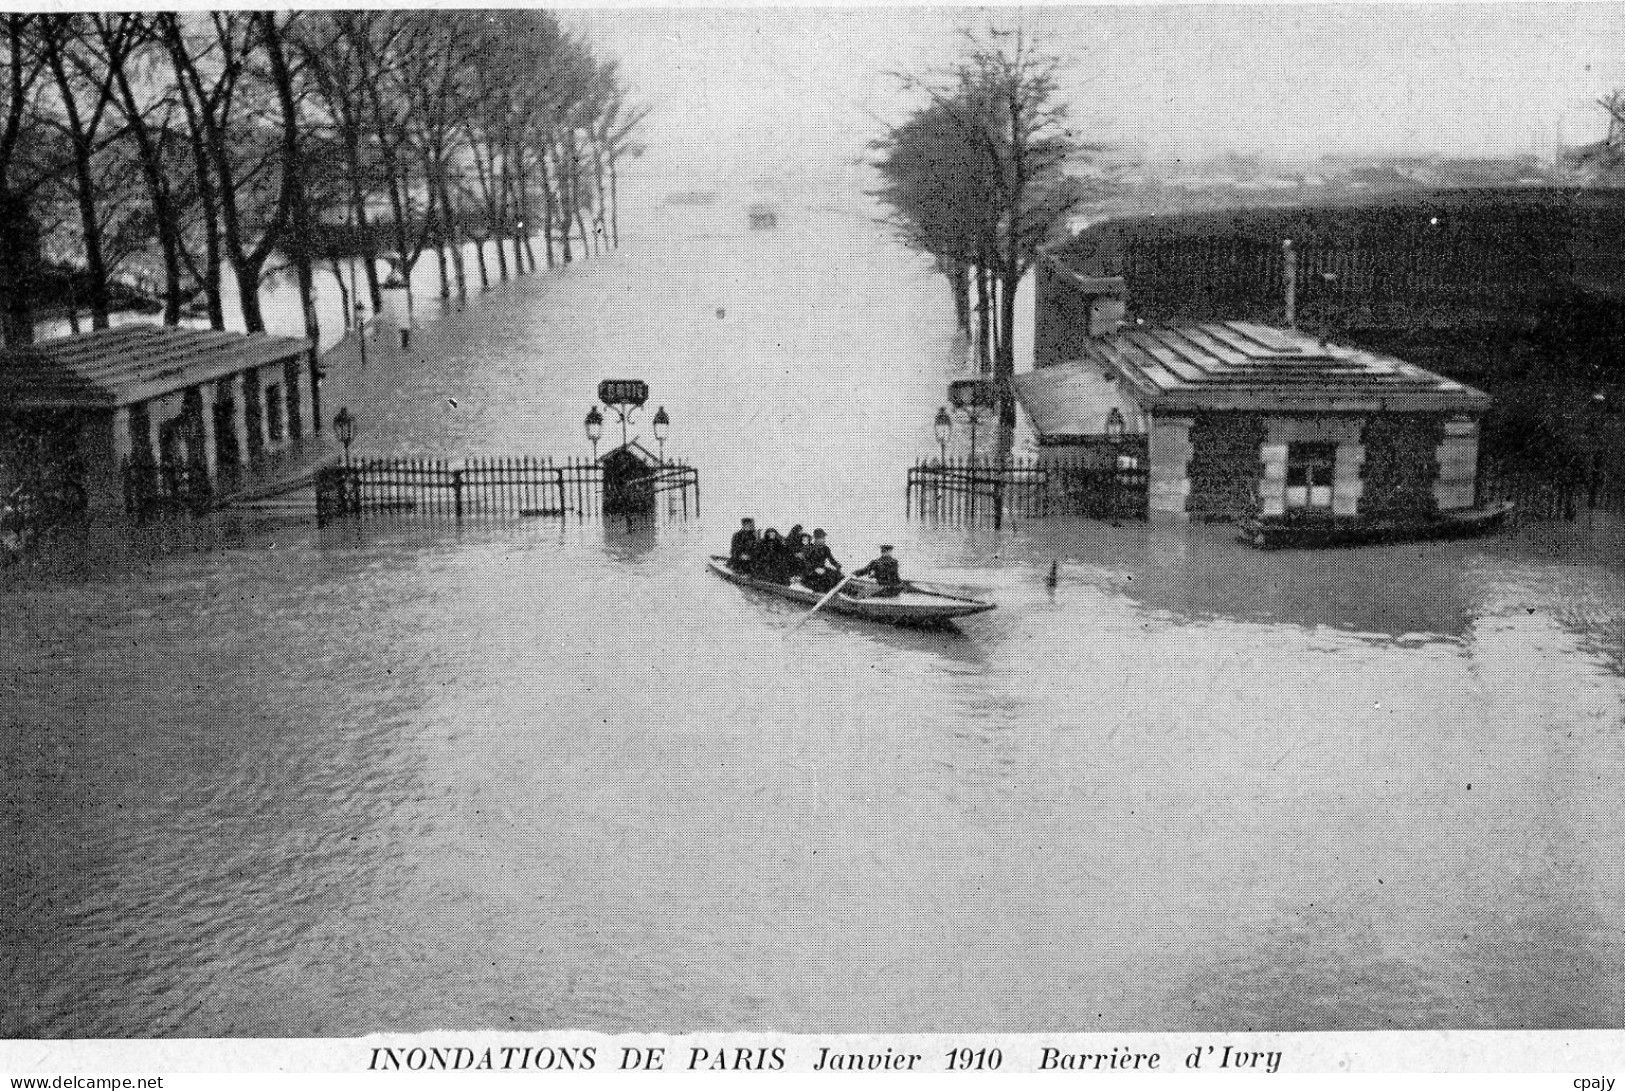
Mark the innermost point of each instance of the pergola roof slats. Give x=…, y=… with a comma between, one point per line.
x=129, y=364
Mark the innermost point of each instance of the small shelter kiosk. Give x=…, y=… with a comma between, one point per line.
x=629, y=479
x=1243, y=420
x=139, y=412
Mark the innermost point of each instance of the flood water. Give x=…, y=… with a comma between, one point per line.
x=553, y=774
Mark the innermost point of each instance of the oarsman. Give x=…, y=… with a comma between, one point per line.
x=742, y=551
x=884, y=571
x=820, y=570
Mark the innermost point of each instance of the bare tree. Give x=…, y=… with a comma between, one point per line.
x=995, y=123
x=242, y=150
x=83, y=96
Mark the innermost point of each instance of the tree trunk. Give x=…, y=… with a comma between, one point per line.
x=499, y=211
x=366, y=242
x=581, y=226
x=299, y=237
x=566, y=254
x=298, y=245
x=19, y=268
x=614, y=208
x=344, y=290
x=454, y=219
x=479, y=259
x=1005, y=368
x=984, y=315
x=95, y=263
x=547, y=205
x=248, y=274
x=959, y=284
x=207, y=197
x=441, y=260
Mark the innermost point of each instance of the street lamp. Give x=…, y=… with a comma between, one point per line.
x=1115, y=426
x=344, y=429
x=972, y=397
x=595, y=429
x=944, y=428
x=625, y=396
x=662, y=426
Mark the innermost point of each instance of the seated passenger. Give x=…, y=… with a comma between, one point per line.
x=743, y=549
x=773, y=563
x=795, y=544
x=820, y=570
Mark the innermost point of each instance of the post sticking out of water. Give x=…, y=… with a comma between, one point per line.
x=1289, y=273
x=1054, y=574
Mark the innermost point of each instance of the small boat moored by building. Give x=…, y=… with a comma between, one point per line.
x=1289, y=532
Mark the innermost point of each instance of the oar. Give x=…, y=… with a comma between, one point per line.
x=820, y=605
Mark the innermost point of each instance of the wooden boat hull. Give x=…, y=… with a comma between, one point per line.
x=1280, y=534
x=912, y=607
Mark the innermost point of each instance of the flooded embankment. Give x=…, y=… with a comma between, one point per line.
x=539, y=773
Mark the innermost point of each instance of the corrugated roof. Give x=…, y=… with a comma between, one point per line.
x=129, y=364
x=1244, y=366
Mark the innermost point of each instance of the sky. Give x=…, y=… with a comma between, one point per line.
x=745, y=90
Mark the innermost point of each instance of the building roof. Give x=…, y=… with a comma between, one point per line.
x=1239, y=366
x=129, y=364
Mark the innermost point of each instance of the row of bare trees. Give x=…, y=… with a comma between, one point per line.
x=981, y=175
x=178, y=147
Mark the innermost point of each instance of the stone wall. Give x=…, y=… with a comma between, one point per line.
x=1224, y=465
x=1170, y=455
x=1457, y=457
x=1401, y=464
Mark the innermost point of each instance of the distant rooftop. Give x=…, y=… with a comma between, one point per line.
x=1240, y=366
x=129, y=364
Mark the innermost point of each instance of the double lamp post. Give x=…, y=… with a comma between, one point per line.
x=624, y=397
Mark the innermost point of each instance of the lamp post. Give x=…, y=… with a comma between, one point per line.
x=625, y=397
x=662, y=426
x=972, y=397
x=944, y=427
x=595, y=429
x=344, y=429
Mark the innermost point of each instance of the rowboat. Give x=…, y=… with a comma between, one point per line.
x=1287, y=533
x=914, y=606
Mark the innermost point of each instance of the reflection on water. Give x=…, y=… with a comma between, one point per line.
x=262, y=779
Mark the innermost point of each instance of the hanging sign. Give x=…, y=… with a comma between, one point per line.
x=632, y=392
x=972, y=394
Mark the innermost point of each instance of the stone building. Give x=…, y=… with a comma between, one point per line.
x=1239, y=420
x=135, y=413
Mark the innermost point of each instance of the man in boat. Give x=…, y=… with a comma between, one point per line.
x=820, y=570
x=884, y=571
x=742, y=551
